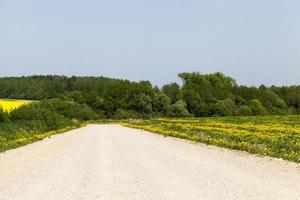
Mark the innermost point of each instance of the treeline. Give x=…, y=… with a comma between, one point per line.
x=200, y=95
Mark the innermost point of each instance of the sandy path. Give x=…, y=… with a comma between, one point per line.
x=111, y=162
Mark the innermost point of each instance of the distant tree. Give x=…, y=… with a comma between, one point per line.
x=125, y=114
x=293, y=97
x=230, y=104
x=161, y=104
x=222, y=109
x=257, y=108
x=172, y=90
x=208, y=86
x=244, y=111
x=272, y=102
x=204, y=95
x=142, y=103
x=193, y=102
x=178, y=109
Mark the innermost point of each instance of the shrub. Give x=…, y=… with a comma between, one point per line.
x=31, y=111
x=69, y=109
x=3, y=115
x=273, y=102
x=125, y=114
x=257, y=107
x=222, y=109
x=178, y=109
x=161, y=104
x=244, y=111
x=35, y=112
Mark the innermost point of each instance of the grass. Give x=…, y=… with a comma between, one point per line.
x=20, y=133
x=10, y=104
x=275, y=136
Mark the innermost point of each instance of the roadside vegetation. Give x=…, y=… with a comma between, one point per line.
x=50, y=104
x=275, y=136
x=37, y=120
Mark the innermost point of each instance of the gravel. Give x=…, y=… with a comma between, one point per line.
x=112, y=162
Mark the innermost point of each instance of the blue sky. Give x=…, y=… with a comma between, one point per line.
x=255, y=41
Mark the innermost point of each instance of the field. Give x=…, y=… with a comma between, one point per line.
x=275, y=136
x=9, y=105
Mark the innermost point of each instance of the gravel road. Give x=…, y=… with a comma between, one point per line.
x=111, y=162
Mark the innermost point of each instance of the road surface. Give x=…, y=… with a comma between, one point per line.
x=111, y=162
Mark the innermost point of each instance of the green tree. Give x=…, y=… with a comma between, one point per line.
x=257, y=107
x=178, y=109
x=222, y=109
x=161, y=104
x=194, y=103
x=244, y=111
x=172, y=90
x=272, y=101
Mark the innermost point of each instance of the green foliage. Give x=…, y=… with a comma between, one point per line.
x=36, y=112
x=272, y=102
x=17, y=133
x=142, y=103
x=178, y=109
x=125, y=114
x=3, y=115
x=222, y=109
x=69, y=109
x=257, y=107
x=208, y=86
x=194, y=103
x=161, y=104
x=172, y=90
x=293, y=97
x=88, y=98
x=244, y=111
x=230, y=104
x=67, y=101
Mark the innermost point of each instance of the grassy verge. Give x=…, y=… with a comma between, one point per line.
x=275, y=136
x=16, y=134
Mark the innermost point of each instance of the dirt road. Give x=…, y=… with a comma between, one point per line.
x=111, y=162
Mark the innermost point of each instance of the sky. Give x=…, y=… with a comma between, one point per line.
x=254, y=41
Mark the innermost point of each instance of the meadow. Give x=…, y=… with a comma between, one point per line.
x=9, y=105
x=275, y=136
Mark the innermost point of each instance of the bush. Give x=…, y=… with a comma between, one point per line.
x=230, y=104
x=35, y=112
x=178, y=109
x=257, y=107
x=244, y=111
x=55, y=121
x=222, y=109
x=69, y=109
x=193, y=102
x=31, y=111
x=161, y=104
x=273, y=102
x=142, y=103
x=125, y=114
x=3, y=115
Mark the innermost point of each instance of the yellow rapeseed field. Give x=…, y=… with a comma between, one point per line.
x=9, y=105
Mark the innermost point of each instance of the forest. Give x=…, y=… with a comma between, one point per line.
x=200, y=95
